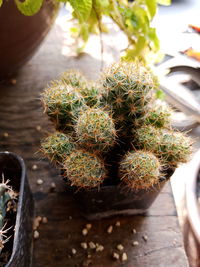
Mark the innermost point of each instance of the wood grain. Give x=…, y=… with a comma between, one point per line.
x=20, y=115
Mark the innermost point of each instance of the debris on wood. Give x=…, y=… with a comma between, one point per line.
x=115, y=256
x=145, y=237
x=5, y=135
x=52, y=187
x=36, y=222
x=99, y=248
x=118, y=224
x=39, y=181
x=44, y=220
x=34, y=167
x=120, y=247
x=124, y=256
x=38, y=128
x=84, y=245
x=88, y=226
x=110, y=229
x=92, y=245
x=85, y=231
x=13, y=81
x=36, y=234
x=134, y=231
x=135, y=243
x=74, y=251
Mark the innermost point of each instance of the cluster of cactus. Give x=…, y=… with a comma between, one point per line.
x=6, y=194
x=112, y=129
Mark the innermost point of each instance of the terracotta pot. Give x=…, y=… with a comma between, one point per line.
x=21, y=35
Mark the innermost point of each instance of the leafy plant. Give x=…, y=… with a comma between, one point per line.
x=133, y=18
x=121, y=137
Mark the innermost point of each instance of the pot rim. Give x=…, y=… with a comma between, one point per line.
x=20, y=199
x=193, y=211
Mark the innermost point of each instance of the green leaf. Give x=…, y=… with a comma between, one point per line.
x=154, y=38
x=164, y=2
x=152, y=7
x=82, y=8
x=29, y=7
x=1, y=2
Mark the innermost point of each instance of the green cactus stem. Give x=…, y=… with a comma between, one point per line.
x=140, y=170
x=95, y=130
x=127, y=88
x=170, y=146
x=74, y=78
x=57, y=146
x=61, y=103
x=88, y=89
x=158, y=116
x=84, y=170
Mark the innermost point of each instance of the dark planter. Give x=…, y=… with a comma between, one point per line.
x=21, y=35
x=115, y=200
x=13, y=168
x=192, y=223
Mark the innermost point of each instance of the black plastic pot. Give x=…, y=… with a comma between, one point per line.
x=13, y=168
x=116, y=200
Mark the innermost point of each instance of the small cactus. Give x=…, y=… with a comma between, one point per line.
x=88, y=90
x=62, y=103
x=6, y=194
x=127, y=88
x=95, y=130
x=56, y=146
x=104, y=121
x=84, y=169
x=73, y=78
x=140, y=170
x=157, y=116
x=170, y=146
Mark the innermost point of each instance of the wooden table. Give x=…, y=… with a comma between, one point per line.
x=22, y=125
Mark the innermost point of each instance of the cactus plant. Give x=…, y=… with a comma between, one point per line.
x=95, y=130
x=6, y=194
x=125, y=137
x=127, y=88
x=140, y=169
x=61, y=103
x=84, y=169
x=56, y=146
x=88, y=90
x=170, y=146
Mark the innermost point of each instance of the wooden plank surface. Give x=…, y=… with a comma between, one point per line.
x=21, y=117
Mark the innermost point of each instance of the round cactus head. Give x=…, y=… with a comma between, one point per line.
x=95, y=130
x=84, y=170
x=158, y=116
x=61, y=103
x=140, y=169
x=74, y=78
x=127, y=88
x=175, y=148
x=57, y=146
x=171, y=147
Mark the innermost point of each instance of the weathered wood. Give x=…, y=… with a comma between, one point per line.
x=21, y=114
